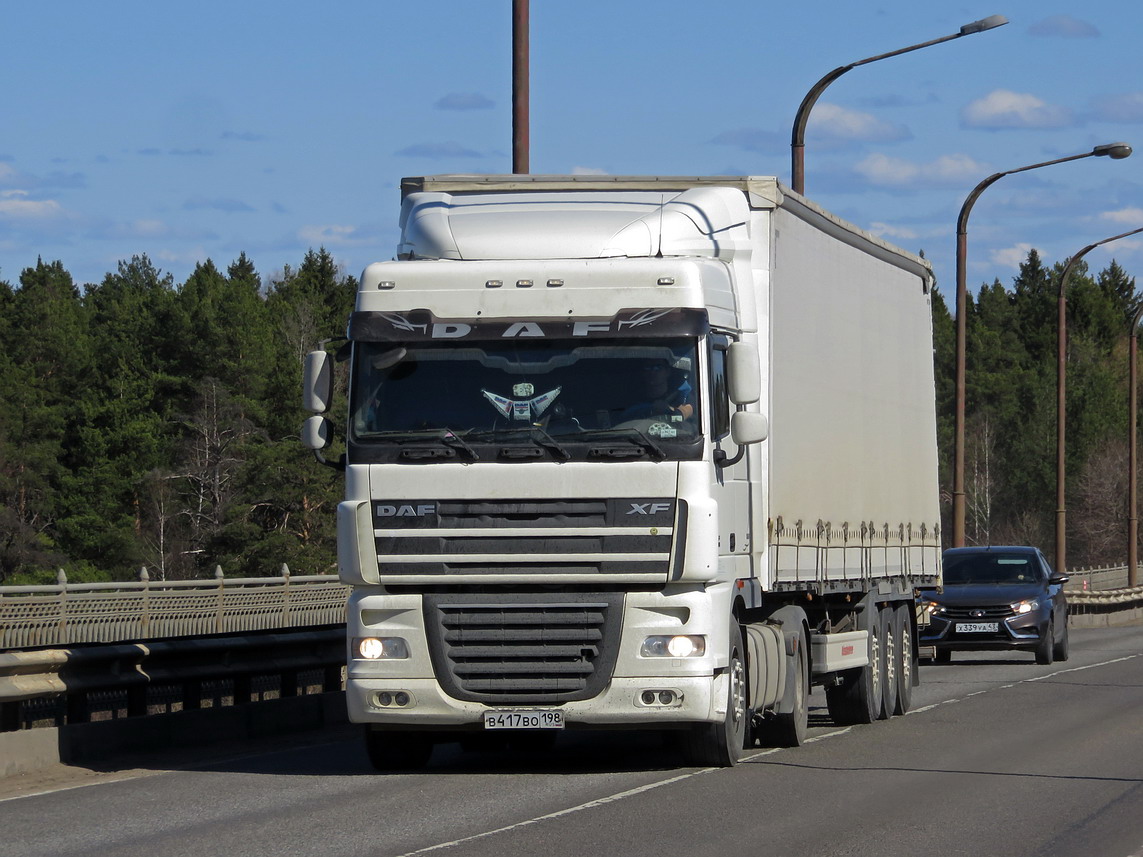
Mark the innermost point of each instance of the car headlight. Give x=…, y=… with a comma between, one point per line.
x=1028, y=606
x=933, y=608
x=678, y=646
x=380, y=648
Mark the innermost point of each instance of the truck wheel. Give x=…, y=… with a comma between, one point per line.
x=789, y=729
x=721, y=745
x=857, y=696
x=906, y=660
x=888, y=665
x=1046, y=649
x=398, y=751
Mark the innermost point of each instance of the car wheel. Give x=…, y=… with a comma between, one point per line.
x=1046, y=647
x=1060, y=650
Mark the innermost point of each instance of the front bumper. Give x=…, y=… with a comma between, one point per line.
x=620, y=705
x=1014, y=632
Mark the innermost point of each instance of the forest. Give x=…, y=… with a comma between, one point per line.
x=150, y=424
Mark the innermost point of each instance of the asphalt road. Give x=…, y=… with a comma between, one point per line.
x=999, y=756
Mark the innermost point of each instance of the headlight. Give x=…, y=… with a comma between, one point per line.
x=377, y=648
x=932, y=607
x=1025, y=606
x=674, y=647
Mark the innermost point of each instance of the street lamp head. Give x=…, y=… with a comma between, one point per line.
x=1115, y=151
x=989, y=23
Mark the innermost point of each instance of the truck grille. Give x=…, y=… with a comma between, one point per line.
x=575, y=540
x=513, y=649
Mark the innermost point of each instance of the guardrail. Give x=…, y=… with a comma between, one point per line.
x=1096, y=578
x=67, y=614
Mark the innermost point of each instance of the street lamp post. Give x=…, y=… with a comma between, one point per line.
x=1115, y=151
x=1132, y=499
x=798, y=137
x=1061, y=385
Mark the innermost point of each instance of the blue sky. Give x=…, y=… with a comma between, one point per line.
x=202, y=130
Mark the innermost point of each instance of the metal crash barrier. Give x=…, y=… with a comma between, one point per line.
x=77, y=685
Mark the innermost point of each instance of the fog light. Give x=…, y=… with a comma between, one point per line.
x=648, y=697
x=666, y=697
x=401, y=698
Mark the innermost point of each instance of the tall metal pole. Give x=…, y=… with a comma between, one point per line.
x=798, y=136
x=1132, y=499
x=520, y=93
x=1115, y=151
x=1061, y=397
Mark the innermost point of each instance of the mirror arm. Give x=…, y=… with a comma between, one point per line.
x=721, y=459
x=336, y=465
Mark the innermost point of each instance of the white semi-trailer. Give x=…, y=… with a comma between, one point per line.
x=632, y=452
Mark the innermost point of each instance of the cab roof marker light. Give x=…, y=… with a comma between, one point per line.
x=493, y=284
x=523, y=284
x=386, y=284
x=666, y=281
x=555, y=284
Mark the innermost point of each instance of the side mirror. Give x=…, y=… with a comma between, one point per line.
x=743, y=378
x=1058, y=579
x=317, y=386
x=315, y=433
x=747, y=428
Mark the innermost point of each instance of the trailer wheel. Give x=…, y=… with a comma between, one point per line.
x=721, y=745
x=890, y=675
x=398, y=751
x=857, y=696
x=906, y=659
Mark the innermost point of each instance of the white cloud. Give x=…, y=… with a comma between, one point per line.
x=894, y=233
x=14, y=205
x=844, y=124
x=885, y=171
x=1010, y=257
x=1064, y=26
x=1125, y=216
x=332, y=235
x=1006, y=109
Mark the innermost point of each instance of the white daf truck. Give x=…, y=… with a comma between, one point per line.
x=631, y=452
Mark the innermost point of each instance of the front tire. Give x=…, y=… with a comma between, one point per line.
x=1046, y=648
x=722, y=745
x=790, y=728
x=1061, y=649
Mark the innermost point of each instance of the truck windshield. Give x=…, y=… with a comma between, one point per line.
x=622, y=398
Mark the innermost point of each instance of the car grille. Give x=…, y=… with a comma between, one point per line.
x=977, y=613
x=512, y=649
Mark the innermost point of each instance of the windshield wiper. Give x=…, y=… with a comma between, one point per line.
x=633, y=434
x=445, y=435
x=537, y=434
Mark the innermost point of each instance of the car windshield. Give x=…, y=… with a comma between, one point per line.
x=996, y=568
x=638, y=392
